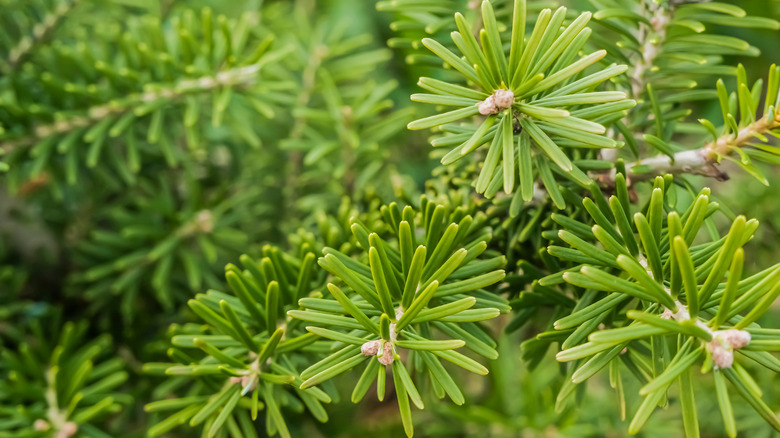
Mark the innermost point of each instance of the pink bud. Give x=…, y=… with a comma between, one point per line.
x=387, y=356
x=736, y=338
x=487, y=107
x=498, y=101
x=723, y=344
x=722, y=357
x=503, y=99
x=370, y=348
x=68, y=429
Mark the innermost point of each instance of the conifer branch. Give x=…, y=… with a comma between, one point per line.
x=701, y=161
x=158, y=93
x=738, y=136
x=40, y=31
x=308, y=82
x=651, y=43
x=533, y=110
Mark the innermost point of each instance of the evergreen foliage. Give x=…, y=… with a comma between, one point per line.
x=57, y=381
x=213, y=221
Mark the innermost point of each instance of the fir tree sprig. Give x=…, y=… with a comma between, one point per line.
x=23, y=33
x=385, y=313
x=742, y=139
x=414, y=21
x=57, y=383
x=537, y=102
x=247, y=357
x=340, y=142
x=159, y=245
x=667, y=43
x=93, y=98
x=676, y=48
x=669, y=304
x=339, y=122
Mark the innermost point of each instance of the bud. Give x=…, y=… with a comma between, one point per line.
x=503, y=99
x=500, y=100
x=487, y=107
x=387, y=356
x=723, y=344
x=722, y=357
x=370, y=348
x=735, y=338
x=68, y=429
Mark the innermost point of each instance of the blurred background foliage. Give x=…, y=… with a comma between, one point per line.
x=332, y=127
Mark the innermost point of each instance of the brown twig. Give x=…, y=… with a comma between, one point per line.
x=702, y=161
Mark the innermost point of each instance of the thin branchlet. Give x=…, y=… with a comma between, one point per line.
x=702, y=161
x=236, y=77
